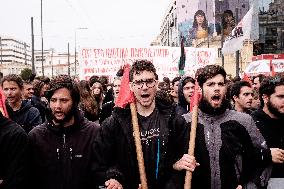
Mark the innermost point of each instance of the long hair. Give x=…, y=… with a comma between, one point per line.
x=88, y=103
x=205, y=22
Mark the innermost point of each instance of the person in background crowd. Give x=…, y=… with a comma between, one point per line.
x=60, y=150
x=97, y=91
x=107, y=108
x=228, y=146
x=174, y=93
x=28, y=90
x=38, y=100
x=242, y=96
x=255, y=101
x=185, y=92
x=270, y=121
x=256, y=80
x=13, y=155
x=88, y=103
x=115, y=163
x=20, y=111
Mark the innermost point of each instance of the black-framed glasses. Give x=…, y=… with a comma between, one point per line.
x=150, y=83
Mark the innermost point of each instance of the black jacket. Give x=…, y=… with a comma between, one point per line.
x=106, y=111
x=13, y=154
x=60, y=158
x=273, y=132
x=115, y=155
x=27, y=116
x=40, y=105
x=228, y=147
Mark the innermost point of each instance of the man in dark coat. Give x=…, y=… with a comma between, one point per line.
x=229, y=148
x=185, y=92
x=20, y=111
x=270, y=121
x=13, y=155
x=115, y=163
x=61, y=148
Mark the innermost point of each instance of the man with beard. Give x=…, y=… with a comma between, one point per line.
x=185, y=92
x=20, y=111
x=256, y=80
x=115, y=163
x=60, y=149
x=270, y=121
x=242, y=95
x=228, y=145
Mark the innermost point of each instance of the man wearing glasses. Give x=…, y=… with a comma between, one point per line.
x=115, y=164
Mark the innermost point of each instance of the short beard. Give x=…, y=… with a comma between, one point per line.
x=206, y=107
x=68, y=117
x=273, y=110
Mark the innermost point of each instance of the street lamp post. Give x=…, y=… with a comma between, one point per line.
x=42, y=68
x=75, y=62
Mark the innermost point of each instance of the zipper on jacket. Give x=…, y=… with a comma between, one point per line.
x=57, y=151
x=64, y=141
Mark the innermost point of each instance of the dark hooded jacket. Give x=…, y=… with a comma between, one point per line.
x=183, y=106
x=228, y=147
x=27, y=116
x=115, y=155
x=13, y=154
x=60, y=157
x=273, y=132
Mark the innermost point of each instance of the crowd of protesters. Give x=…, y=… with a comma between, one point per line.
x=61, y=133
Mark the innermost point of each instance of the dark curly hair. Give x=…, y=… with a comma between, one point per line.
x=236, y=88
x=64, y=81
x=268, y=86
x=140, y=66
x=13, y=77
x=208, y=72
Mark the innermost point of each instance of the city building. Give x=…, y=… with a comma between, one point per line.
x=169, y=29
x=271, y=28
x=54, y=63
x=15, y=55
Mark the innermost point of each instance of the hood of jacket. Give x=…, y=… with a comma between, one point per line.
x=181, y=99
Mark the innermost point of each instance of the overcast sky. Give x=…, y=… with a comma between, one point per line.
x=110, y=23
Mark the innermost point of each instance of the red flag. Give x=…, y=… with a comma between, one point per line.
x=194, y=100
x=246, y=78
x=125, y=95
x=271, y=66
x=2, y=104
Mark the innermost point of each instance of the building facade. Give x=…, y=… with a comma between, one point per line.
x=15, y=55
x=54, y=63
x=271, y=28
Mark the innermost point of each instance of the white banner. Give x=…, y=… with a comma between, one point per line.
x=107, y=61
x=234, y=41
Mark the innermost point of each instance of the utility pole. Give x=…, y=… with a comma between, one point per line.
x=33, y=43
x=238, y=52
x=68, y=60
x=42, y=68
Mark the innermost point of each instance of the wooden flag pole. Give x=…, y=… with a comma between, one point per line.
x=188, y=176
x=138, y=145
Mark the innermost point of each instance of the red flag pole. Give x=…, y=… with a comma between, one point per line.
x=194, y=109
x=138, y=145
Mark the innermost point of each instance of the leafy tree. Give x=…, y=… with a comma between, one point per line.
x=26, y=73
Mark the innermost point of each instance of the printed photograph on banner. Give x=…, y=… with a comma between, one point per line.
x=202, y=20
